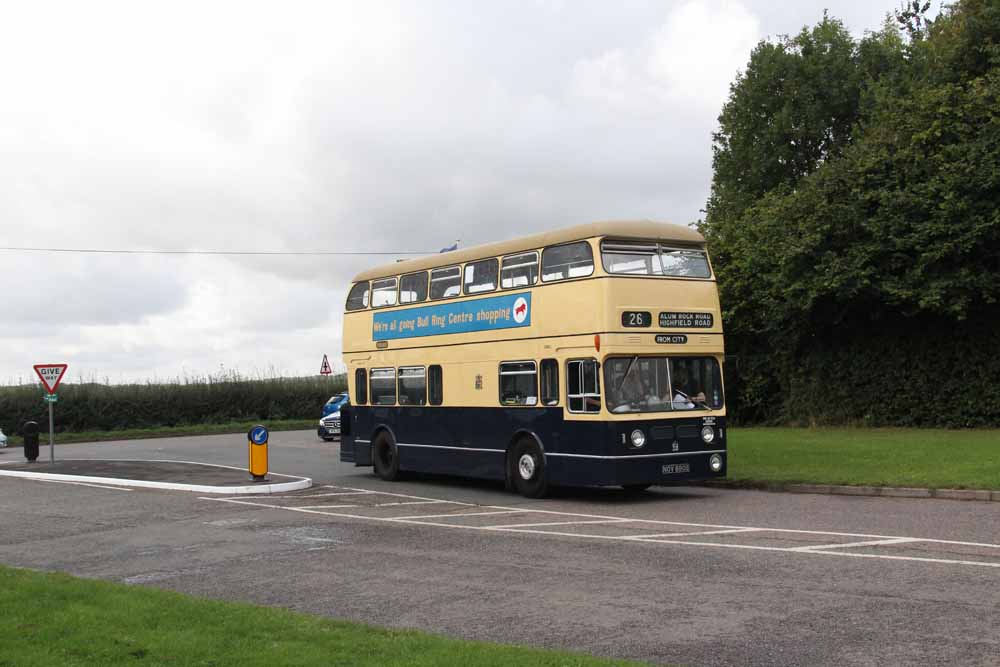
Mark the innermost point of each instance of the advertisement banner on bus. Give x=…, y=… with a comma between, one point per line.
x=498, y=312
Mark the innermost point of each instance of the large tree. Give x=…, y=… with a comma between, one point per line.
x=835, y=223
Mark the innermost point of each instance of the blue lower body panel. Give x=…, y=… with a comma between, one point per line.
x=473, y=442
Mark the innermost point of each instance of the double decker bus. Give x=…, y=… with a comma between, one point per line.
x=586, y=356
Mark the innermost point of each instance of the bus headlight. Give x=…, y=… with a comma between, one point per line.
x=638, y=438
x=707, y=433
x=715, y=463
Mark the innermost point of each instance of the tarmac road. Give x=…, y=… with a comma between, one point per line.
x=680, y=574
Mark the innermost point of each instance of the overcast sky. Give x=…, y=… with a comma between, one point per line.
x=356, y=126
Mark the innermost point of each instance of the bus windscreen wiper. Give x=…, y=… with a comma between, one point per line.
x=628, y=370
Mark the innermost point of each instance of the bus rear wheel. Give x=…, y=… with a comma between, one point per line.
x=385, y=458
x=527, y=469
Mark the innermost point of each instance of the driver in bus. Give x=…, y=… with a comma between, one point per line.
x=684, y=398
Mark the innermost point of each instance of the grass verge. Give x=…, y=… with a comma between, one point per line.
x=166, y=431
x=56, y=619
x=932, y=458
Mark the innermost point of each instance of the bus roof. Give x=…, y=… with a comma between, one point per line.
x=626, y=229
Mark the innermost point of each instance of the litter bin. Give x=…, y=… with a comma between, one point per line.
x=30, y=433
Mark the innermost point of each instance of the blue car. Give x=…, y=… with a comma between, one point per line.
x=329, y=424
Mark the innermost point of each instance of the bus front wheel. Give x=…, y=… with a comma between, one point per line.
x=528, y=469
x=386, y=458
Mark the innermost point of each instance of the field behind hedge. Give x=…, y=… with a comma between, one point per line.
x=105, y=407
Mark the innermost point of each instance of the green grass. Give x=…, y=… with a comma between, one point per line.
x=165, y=432
x=55, y=619
x=933, y=458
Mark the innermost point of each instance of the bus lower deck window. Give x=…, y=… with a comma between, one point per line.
x=550, y=382
x=517, y=383
x=383, y=386
x=583, y=386
x=412, y=385
x=435, y=385
x=360, y=387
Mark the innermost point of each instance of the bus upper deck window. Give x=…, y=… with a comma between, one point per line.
x=481, y=276
x=519, y=270
x=384, y=293
x=358, y=298
x=685, y=262
x=572, y=260
x=413, y=287
x=446, y=283
x=646, y=258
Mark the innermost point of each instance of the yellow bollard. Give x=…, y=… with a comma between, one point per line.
x=257, y=446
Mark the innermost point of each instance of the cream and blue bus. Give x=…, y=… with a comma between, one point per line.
x=586, y=356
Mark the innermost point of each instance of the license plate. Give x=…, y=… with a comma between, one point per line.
x=674, y=468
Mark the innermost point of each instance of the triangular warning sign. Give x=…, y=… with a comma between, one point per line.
x=325, y=369
x=51, y=375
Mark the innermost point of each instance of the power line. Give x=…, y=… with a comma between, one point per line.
x=106, y=251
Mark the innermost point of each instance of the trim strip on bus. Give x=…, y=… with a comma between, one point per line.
x=576, y=456
x=464, y=449
x=636, y=456
x=518, y=340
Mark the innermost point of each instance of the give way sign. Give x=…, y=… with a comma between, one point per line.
x=51, y=375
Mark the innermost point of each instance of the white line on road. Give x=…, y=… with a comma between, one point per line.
x=869, y=543
x=700, y=532
x=451, y=515
x=560, y=523
x=95, y=486
x=325, y=507
x=522, y=529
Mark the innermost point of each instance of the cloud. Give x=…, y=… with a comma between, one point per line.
x=377, y=126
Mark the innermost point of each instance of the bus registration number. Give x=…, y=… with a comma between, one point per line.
x=674, y=468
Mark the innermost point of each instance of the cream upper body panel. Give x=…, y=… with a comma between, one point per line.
x=638, y=229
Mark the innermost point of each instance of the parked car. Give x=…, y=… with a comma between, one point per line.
x=333, y=405
x=3, y=439
x=329, y=424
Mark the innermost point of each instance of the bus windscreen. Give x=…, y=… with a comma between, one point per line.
x=662, y=384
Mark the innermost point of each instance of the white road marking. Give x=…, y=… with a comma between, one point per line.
x=452, y=514
x=666, y=538
x=411, y=502
x=869, y=543
x=334, y=507
x=700, y=532
x=561, y=523
x=95, y=486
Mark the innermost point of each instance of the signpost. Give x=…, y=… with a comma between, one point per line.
x=324, y=368
x=51, y=375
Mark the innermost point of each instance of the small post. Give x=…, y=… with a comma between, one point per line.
x=52, y=437
x=257, y=445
